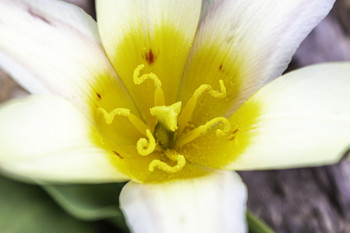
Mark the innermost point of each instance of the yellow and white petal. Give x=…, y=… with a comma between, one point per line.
x=211, y=204
x=51, y=46
x=156, y=33
x=245, y=43
x=46, y=139
x=300, y=119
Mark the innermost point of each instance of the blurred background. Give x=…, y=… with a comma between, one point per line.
x=296, y=200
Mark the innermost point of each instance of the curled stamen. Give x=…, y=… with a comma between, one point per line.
x=171, y=154
x=145, y=147
x=140, y=79
x=207, y=88
x=187, y=112
x=158, y=93
x=109, y=117
x=203, y=129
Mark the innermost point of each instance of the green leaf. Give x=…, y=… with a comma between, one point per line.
x=90, y=201
x=27, y=208
x=255, y=225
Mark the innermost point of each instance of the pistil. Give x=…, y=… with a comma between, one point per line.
x=164, y=137
x=167, y=115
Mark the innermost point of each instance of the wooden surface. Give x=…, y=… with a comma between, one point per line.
x=298, y=200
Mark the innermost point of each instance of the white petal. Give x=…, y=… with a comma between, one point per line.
x=209, y=204
x=156, y=33
x=45, y=138
x=51, y=46
x=246, y=43
x=303, y=119
x=300, y=119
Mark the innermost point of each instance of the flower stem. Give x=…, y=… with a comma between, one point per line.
x=255, y=225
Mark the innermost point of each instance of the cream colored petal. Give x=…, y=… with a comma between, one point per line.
x=209, y=204
x=245, y=43
x=155, y=33
x=51, y=46
x=46, y=139
x=300, y=119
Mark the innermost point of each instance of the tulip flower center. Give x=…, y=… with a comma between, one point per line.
x=169, y=134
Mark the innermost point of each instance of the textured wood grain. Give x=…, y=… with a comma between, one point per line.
x=302, y=200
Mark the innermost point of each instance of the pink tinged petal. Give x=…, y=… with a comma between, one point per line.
x=246, y=44
x=208, y=204
x=54, y=47
x=46, y=139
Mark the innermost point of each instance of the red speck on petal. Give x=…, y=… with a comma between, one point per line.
x=117, y=154
x=150, y=57
x=233, y=135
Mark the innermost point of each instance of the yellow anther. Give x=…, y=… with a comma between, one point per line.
x=187, y=112
x=140, y=79
x=167, y=115
x=145, y=147
x=208, y=88
x=171, y=154
x=203, y=129
x=158, y=93
x=109, y=117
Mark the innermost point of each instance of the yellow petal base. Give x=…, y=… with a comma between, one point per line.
x=166, y=139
